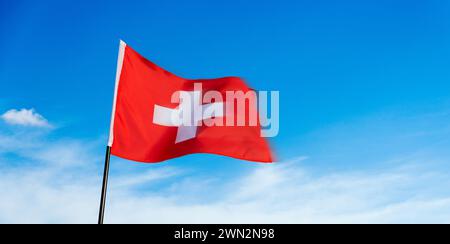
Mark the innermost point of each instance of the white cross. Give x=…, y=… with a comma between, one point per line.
x=188, y=116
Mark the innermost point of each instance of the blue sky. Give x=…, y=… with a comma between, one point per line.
x=364, y=102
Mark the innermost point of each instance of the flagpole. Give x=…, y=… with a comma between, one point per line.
x=101, y=215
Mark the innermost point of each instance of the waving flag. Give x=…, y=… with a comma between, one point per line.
x=148, y=126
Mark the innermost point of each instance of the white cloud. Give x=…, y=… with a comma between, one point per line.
x=25, y=117
x=290, y=194
x=49, y=189
x=59, y=182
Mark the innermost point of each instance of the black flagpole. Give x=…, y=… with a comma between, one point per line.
x=101, y=215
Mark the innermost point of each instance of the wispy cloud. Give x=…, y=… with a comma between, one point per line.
x=25, y=117
x=43, y=191
x=58, y=181
x=287, y=193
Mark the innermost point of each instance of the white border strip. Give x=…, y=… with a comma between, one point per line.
x=122, y=48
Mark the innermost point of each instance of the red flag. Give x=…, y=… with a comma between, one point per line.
x=144, y=124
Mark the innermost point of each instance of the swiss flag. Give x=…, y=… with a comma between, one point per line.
x=142, y=124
